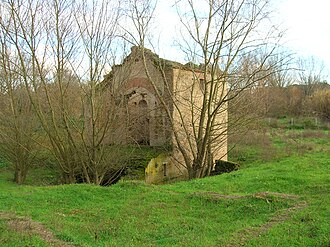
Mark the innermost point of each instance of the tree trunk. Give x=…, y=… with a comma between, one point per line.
x=20, y=175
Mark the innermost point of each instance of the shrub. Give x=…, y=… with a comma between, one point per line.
x=321, y=103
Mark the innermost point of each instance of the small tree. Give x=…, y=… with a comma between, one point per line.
x=310, y=74
x=18, y=124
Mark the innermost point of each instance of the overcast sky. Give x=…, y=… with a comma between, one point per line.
x=307, y=25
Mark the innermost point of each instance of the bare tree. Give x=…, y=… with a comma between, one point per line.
x=18, y=124
x=97, y=23
x=218, y=35
x=310, y=73
x=62, y=56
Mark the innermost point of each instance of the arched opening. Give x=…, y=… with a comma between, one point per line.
x=142, y=131
x=143, y=123
x=143, y=104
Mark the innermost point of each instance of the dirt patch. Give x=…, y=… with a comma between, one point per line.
x=261, y=195
x=215, y=195
x=254, y=232
x=28, y=226
x=275, y=194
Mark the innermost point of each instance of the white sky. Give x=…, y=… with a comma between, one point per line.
x=308, y=27
x=307, y=23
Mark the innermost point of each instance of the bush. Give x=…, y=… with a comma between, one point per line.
x=321, y=103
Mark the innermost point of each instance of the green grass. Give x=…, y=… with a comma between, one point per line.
x=13, y=238
x=297, y=123
x=190, y=213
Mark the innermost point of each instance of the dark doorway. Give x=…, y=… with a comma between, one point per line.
x=142, y=131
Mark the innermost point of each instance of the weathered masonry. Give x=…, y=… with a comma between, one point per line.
x=151, y=113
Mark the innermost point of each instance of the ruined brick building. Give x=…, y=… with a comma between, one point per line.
x=147, y=107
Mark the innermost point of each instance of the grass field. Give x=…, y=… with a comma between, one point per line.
x=279, y=197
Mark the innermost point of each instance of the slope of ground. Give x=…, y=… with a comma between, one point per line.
x=278, y=202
